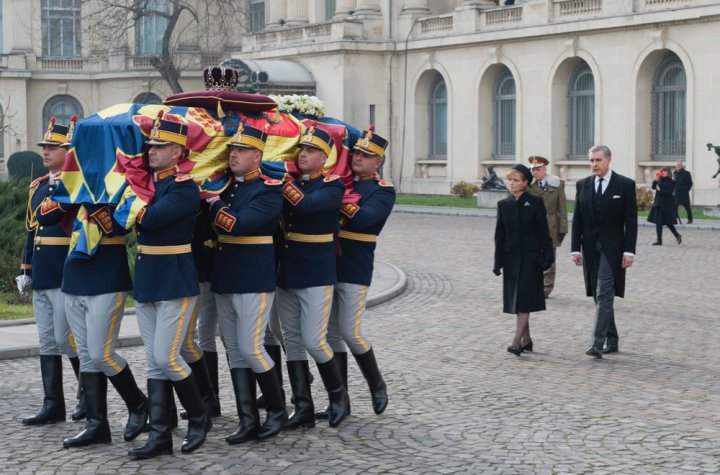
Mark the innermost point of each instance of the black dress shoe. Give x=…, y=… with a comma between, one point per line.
x=594, y=352
x=657, y=243
x=679, y=239
x=528, y=347
x=611, y=348
x=515, y=350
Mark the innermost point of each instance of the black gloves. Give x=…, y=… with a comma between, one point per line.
x=496, y=271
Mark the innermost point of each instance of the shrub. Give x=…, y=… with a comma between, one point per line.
x=464, y=189
x=25, y=164
x=644, y=198
x=13, y=201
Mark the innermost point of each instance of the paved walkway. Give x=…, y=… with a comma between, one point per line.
x=459, y=402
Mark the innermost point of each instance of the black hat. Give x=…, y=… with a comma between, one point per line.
x=55, y=135
x=248, y=137
x=165, y=132
x=524, y=171
x=371, y=144
x=317, y=138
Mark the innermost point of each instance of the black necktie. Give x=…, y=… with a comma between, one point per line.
x=599, y=188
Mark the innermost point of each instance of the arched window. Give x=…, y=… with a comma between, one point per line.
x=147, y=98
x=504, y=117
x=668, y=116
x=150, y=28
x=581, y=112
x=62, y=107
x=438, y=120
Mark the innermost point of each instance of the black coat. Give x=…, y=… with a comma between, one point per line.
x=523, y=248
x=683, y=183
x=664, y=209
x=613, y=226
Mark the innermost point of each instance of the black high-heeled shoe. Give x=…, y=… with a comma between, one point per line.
x=528, y=347
x=679, y=239
x=515, y=350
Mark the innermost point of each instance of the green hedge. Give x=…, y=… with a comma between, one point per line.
x=25, y=164
x=13, y=201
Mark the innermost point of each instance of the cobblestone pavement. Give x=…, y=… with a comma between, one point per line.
x=459, y=403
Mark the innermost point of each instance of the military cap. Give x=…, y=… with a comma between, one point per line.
x=165, y=132
x=524, y=171
x=55, y=135
x=371, y=143
x=317, y=138
x=71, y=129
x=537, y=161
x=248, y=137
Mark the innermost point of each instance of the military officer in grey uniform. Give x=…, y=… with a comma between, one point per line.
x=246, y=216
x=306, y=277
x=42, y=265
x=166, y=290
x=361, y=224
x=552, y=190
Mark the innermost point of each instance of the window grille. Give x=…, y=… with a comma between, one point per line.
x=438, y=120
x=581, y=112
x=668, y=110
x=504, y=117
x=62, y=107
x=257, y=15
x=60, y=22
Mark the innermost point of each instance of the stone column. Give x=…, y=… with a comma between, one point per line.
x=367, y=8
x=297, y=12
x=277, y=12
x=415, y=7
x=343, y=8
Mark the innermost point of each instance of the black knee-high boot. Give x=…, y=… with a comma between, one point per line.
x=342, y=359
x=97, y=428
x=275, y=352
x=378, y=388
x=335, y=387
x=80, y=410
x=304, y=413
x=207, y=392
x=199, y=422
x=211, y=361
x=53, y=408
x=159, y=442
x=277, y=415
x=243, y=381
x=135, y=401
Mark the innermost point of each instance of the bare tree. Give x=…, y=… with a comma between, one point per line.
x=212, y=26
x=6, y=120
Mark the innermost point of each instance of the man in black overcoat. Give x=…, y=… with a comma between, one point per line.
x=683, y=185
x=604, y=234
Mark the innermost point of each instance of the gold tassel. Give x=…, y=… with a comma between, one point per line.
x=220, y=111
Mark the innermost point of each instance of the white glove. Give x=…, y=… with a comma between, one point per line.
x=212, y=199
x=23, y=283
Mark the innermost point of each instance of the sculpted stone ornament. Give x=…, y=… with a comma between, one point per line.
x=717, y=152
x=492, y=182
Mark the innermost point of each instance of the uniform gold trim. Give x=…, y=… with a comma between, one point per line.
x=52, y=241
x=357, y=236
x=314, y=238
x=245, y=239
x=116, y=240
x=164, y=250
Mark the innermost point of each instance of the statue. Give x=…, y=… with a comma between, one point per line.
x=492, y=182
x=717, y=152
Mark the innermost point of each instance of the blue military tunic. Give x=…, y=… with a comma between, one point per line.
x=43, y=257
x=166, y=271
x=246, y=218
x=204, y=242
x=310, y=210
x=362, y=223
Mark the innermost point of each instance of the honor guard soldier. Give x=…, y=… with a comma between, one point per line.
x=361, y=224
x=246, y=216
x=42, y=265
x=306, y=276
x=95, y=290
x=552, y=190
x=166, y=290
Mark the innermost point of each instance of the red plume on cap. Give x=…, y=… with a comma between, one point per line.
x=52, y=120
x=160, y=114
x=73, y=118
x=371, y=128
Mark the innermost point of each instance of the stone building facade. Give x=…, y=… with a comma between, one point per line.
x=456, y=85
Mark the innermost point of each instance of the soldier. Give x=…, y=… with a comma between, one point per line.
x=246, y=217
x=552, y=191
x=42, y=265
x=361, y=224
x=306, y=277
x=95, y=290
x=166, y=290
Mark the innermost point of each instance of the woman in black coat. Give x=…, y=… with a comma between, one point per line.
x=664, y=209
x=524, y=249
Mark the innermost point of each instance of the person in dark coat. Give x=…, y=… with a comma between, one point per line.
x=683, y=185
x=664, y=210
x=524, y=249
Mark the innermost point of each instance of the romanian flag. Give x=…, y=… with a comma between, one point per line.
x=106, y=162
